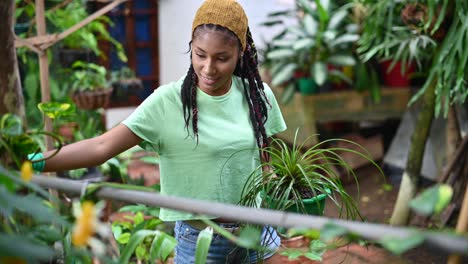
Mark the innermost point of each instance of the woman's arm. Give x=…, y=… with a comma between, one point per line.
x=92, y=152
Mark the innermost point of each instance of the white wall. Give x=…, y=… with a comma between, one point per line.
x=175, y=24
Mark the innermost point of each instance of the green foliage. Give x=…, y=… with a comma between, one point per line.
x=203, y=245
x=33, y=222
x=296, y=171
x=88, y=76
x=87, y=37
x=434, y=38
x=403, y=244
x=385, y=35
x=432, y=200
x=321, y=37
x=141, y=237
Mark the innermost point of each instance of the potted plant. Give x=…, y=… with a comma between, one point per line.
x=90, y=87
x=401, y=35
x=311, y=50
x=124, y=83
x=302, y=178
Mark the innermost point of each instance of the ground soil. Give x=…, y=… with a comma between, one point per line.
x=375, y=204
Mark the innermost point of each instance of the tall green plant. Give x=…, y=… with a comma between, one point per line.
x=430, y=33
x=320, y=37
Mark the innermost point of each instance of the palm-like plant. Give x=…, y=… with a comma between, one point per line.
x=321, y=37
x=297, y=174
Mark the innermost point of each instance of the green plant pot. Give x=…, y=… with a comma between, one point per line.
x=307, y=86
x=312, y=206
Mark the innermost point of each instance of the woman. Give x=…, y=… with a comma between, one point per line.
x=206, y=127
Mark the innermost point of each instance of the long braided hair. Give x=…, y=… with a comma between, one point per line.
x=247, y=69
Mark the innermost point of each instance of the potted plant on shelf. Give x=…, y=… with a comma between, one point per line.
x=124, y=83
x=402, y=36
x=310, y=51
x=90, y=87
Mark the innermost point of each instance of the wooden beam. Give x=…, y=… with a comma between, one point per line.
x=44, y=68
x=35, y=41
x=19, y=42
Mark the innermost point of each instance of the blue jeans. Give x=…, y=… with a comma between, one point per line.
x=221, y=249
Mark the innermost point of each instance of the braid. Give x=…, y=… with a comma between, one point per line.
x=189, y=101
x=194, y=106
x=255, y=93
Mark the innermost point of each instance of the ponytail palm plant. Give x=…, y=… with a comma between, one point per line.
x=296, y=174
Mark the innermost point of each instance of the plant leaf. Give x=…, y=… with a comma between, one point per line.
x=284, y=74
x=319, y=72
x=162, y=246
x=134, y=241
x=203, y=245
x=401, y=245
x=432, y=200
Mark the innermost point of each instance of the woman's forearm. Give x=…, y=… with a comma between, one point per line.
x=91, y=152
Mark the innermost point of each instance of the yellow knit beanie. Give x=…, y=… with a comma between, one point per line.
x=226, y=13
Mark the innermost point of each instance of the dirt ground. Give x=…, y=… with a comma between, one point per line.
x=376, y=206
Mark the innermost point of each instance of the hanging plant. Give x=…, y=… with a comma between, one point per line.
x=90, y=87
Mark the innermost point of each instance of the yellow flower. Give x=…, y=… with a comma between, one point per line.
x=26, y=171
x=85, y=224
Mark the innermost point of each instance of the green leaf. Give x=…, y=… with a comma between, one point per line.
x=23, y=248
x=319, y=73
x=49, y=234
x=123, y=238
x=401, y=245
x=282, y=53
x=31, y=205
x=134, y=241
x=56, y=110
x=163, y=245
x=284, y=74
x=432, y=200
x=292, y=253
x=203, y=245
x=336, y=19
x=250, y=237
x=284, y=43
x=346, y=38
x=342, y=60
x=310, y=25
x=288, y=93
x=303, y=44
x=11, y=125
x=331, y=231
x=138, y=219
x=140, y=252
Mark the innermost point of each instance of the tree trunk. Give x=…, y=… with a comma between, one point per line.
x=411, y=176
x=10, y=85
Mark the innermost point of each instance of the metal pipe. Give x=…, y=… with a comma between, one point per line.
x=450, y=243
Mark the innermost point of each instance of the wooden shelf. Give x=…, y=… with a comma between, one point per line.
x=305, y=111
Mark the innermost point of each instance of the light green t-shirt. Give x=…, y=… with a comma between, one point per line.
x=217, y=168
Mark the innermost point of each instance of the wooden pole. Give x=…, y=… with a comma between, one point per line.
x=462, y=226
x=44, y=68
